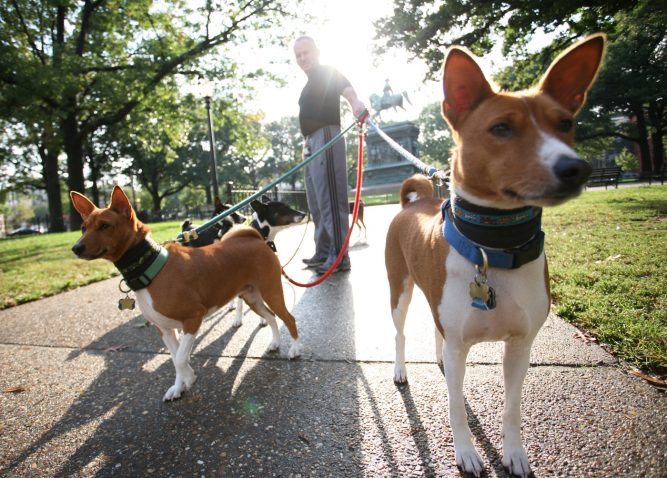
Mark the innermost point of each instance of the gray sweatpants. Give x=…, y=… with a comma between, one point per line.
x=326, y=191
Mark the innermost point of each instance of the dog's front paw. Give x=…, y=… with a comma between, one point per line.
x=516, y=462
x=238, y=321
x=468, y=459
x=274, y=345
x=400, y=374
x=173, y=393
x=262, y=322
x=294, y=350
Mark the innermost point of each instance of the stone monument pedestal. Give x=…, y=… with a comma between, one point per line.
x=385, y=168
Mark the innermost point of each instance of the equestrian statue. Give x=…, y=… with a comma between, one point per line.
x=389, y=99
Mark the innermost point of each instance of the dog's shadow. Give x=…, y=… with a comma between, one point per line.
x=243, y=415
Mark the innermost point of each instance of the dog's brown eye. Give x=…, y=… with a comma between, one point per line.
x=501, y=130
x=103, y=226
x=565, y=125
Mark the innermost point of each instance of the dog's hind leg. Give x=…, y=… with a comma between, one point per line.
x=272, y=294
x=401, y=295
x=515, y=367
x=254, y=300
x=467, y=456
x=361, y=221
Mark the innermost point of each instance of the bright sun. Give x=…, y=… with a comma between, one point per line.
x=344, y=34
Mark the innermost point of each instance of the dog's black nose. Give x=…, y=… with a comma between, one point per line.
x=572, y=172
x=78, y=249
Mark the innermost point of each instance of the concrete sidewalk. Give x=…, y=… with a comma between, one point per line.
x=94, y=381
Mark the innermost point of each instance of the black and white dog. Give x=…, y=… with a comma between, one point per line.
x=217, y=230
x=268, y=218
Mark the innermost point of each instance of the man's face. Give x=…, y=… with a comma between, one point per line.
x=307, y=55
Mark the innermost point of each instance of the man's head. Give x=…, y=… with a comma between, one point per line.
x=306, y=53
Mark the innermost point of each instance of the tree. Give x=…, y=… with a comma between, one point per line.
x=626, y=161
x=244, y=149
x=84, y=65
x=426, y=28
x=631, y=82
x=435, y=139
x=163, y=144
x=286, y=146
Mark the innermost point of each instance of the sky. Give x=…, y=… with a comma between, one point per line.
x=344, y=33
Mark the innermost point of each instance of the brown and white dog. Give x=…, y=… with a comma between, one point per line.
x=513, y=156
x=176, y=286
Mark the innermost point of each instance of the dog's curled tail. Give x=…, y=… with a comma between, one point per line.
x=415, y=187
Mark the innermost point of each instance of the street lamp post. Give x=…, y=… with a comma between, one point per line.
x=211, y=141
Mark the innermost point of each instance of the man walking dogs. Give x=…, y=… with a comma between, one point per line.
x=326, y=176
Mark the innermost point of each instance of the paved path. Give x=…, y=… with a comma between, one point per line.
x=91, y=411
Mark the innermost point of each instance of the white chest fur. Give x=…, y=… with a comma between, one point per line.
x=145, y=302
x=522, y=303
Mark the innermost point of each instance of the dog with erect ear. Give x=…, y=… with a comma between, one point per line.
x=177, y=287
x=479, y=256
x=217, y=230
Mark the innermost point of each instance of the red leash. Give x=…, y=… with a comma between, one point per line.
x=355, y=213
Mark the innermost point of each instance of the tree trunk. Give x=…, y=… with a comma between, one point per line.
x=658, y=150
x=157, y=201
x=74, y=149
x=645, y=163
x=94, y=178
x=655, y=113
x=52, y=183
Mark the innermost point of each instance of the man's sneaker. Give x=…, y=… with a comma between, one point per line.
x=343, y=266
x=313, y=262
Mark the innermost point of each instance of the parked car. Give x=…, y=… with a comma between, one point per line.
x=23, y=231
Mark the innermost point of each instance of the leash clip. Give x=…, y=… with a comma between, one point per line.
x=190, y=236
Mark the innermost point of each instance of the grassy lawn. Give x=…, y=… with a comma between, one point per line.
x=32, y=267
x=608, y=262
x=607, y=256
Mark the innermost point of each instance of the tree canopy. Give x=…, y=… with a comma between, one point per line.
x=631, y=84
x=71, y=68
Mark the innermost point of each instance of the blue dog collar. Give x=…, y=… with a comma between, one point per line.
x=510, y=258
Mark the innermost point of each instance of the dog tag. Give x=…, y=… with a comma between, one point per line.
x=482, y=294
x=126, y=303
x=486, y=300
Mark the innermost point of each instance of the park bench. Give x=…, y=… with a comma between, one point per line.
x=606, y=176
x=660, y=174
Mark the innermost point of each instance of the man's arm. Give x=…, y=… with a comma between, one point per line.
x=351, y=96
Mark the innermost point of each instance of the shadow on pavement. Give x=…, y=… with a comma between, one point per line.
x=243, y=417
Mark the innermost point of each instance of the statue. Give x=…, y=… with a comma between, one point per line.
x=388, y=99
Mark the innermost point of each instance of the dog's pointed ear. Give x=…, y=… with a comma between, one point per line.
x=120, y=203
x=256, y=205
x=571, y=74
x=82, y=204
x=464, y=85
x=265, y=199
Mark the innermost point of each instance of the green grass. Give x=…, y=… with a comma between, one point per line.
x=32, y=267
x=607, y=257
x=608, y=261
